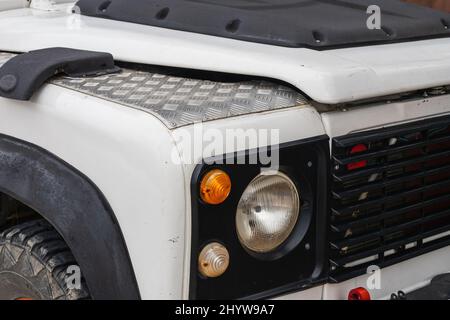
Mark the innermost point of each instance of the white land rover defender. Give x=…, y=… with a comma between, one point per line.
x=211, y=149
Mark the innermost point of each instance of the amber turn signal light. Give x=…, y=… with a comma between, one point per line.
x=215, y=187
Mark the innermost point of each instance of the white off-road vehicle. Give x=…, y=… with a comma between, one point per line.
x=221, y=149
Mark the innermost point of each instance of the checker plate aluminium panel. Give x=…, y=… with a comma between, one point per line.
x=180, y=101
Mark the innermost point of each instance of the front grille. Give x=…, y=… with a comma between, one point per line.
x=390, y=196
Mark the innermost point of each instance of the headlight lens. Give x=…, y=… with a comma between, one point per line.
x=267, y=212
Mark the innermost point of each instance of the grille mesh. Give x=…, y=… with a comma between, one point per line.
x=390, y=196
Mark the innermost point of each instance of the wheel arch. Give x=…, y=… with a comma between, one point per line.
x=77, y=209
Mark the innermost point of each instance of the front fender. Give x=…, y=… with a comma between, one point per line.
x=78, y=211
x=127, y=154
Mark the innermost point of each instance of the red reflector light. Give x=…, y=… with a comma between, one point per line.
x=360, y=164
x=359, y=294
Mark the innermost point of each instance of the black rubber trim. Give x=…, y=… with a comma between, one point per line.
x=76, y=209
x=318, y=24
x=3, y=210
x=24, y=74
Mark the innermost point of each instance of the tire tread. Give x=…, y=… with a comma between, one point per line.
x=40, y=240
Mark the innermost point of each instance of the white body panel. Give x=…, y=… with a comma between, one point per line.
x=128, y=154
x=339, y=123
x=16, y=4
x=406, y=276
x=100, y=140
x=12, y=4
x=331, y=76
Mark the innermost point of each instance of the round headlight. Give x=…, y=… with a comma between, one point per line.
x=267, y=212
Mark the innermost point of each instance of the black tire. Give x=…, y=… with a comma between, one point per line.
x=34, y=260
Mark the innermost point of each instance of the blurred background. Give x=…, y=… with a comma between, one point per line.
x=437, y=4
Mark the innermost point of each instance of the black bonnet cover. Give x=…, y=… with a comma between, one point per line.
x=290, y=23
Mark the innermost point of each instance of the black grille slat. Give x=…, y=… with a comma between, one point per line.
x=386, y=231
x=387, y=183
x=358, y=256
x=381, y=153
x=397, y=195
x=351, y=273
x=367, y=172
x=385, y=200
x=351, y=140
x=389, y=214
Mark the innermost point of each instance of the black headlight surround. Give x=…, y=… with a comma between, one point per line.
x=291, y=267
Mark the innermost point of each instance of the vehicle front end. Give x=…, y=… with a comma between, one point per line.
x=238, y=165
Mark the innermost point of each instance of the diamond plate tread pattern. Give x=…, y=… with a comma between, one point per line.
x=178, y=101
